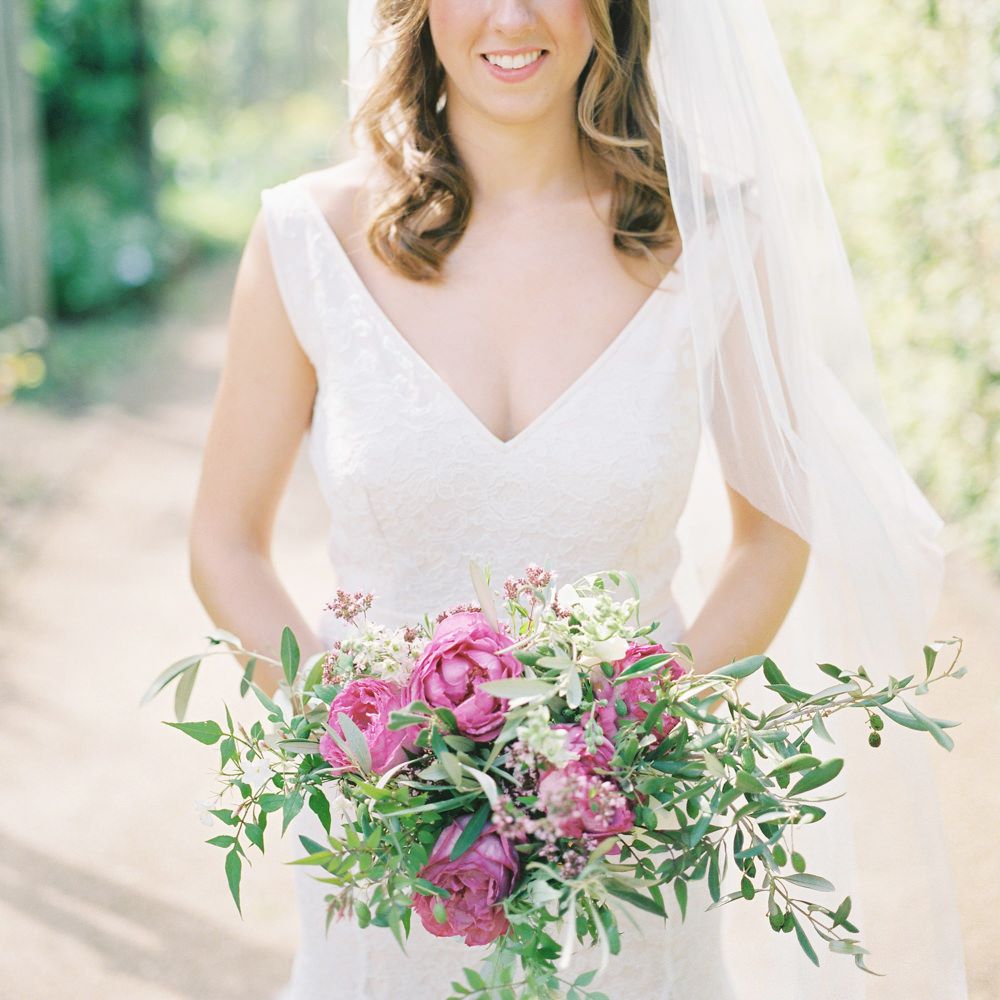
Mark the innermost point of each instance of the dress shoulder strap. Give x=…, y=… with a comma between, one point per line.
x=290, y=232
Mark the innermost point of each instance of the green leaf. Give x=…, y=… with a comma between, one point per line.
x=713, y=876
x=472, y=830
x=772, y=673
x=486, y=783
x=645, y=665
x=681, y=892
x=517, y=687
x=746, y=782
x=797, y=762
x=913, y=723
x=267, y=703
x=289, y=655
x=174, y=670
x=204, y=732
x=832, y=670
x=222, y=841
x=819, y=728
x=484, y=594
x=290, y=808
x=817, y=776
x=742, y=668
x=804, y=941
x=810, y=882
x=255, y=834
x=233, y=869
x=356, y=742
x=182, y=693
x=247, y=677
x=932, y=727
x=930, y=655
x=843, y=911
x=623, y=891
x=320, y=805
x=798, y=862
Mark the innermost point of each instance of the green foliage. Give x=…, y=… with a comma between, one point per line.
x=900, y=100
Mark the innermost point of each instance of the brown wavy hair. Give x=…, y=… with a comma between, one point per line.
x=425, y=205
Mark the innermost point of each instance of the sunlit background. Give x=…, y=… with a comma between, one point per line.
x=135, y=137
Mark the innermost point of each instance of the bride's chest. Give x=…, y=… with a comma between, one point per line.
x=392, y=436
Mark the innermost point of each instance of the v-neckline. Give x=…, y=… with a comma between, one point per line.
x=671, y=282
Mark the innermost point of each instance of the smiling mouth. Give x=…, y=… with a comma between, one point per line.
x=519, y=61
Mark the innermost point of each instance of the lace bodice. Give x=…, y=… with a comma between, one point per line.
x=417, y=485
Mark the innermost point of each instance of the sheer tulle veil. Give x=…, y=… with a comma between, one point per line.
x=794, y=420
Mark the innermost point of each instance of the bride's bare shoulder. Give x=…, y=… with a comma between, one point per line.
x=340, y=192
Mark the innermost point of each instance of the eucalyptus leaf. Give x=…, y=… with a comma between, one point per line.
x=517, y=687
x=355, y=741
x=484, y=594
x=182, y=693
x=174, y=670
x=289, y=655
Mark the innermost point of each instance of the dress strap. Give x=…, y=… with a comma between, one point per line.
x=290, y=237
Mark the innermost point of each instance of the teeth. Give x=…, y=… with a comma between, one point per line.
x=514, y=62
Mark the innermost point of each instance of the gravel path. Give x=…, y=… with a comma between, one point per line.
x=106, y=890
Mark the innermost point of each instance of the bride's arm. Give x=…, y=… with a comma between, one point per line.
x=262, y=409
x=756, y=586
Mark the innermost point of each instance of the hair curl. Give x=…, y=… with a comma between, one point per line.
x=424, y=208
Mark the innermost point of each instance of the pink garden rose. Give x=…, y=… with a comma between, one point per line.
x=578, y=798
x=367, y=702
x=478, y=880
x=579, y=802
x=462, y=654
x=635, y=690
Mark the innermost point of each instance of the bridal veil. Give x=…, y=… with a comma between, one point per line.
x=794, y=421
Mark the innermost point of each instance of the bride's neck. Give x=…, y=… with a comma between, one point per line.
x=515, y=165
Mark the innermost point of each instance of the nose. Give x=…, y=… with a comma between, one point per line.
x=513, y=16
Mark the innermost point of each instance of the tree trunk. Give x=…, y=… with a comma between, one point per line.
x=23, y=271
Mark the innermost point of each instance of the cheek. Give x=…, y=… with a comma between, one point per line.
x=452, y=29
x=569, y=22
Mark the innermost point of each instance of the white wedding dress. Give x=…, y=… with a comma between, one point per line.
x=417, y=487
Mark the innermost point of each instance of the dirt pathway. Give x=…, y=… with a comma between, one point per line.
x=106, y=890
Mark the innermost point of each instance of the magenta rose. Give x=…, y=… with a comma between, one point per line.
x=636, y=689
x=464, y=653
x=367, y=702
x=478, y=880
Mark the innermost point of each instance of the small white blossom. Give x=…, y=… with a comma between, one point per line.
x=203, y=806
x=256, y=774
x=536, y=733
x=607, y=650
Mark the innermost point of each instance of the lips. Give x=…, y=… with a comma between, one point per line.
x=515, y=75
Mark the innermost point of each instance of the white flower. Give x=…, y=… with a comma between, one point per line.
x=256, y=774
x=203, y=806
x=605, y=650
x=567, y=596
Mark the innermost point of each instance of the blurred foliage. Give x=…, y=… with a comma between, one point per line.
x=160, y=124
x=250, y=94
x=903, y=98
x=93, y=64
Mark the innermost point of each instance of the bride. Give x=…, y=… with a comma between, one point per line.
x=556, y=310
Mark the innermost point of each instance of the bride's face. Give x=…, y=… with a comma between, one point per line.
x=464, y=31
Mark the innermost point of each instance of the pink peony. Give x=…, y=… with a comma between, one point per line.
x=477, y=881
x=635, y=690
x=577, y=743
x=367, y=702
x=578, y=802
x=462, y=654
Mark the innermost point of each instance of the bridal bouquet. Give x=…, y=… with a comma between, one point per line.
x=521, y=780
